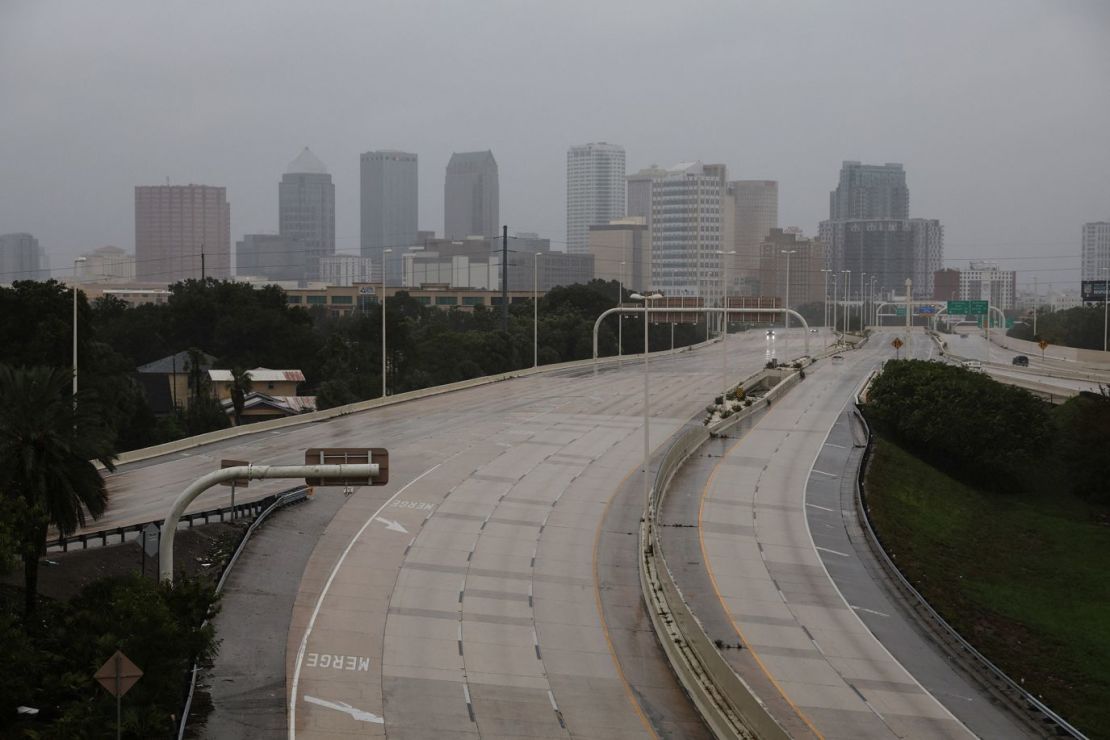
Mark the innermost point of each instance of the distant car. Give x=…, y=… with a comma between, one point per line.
x=1021, y=360
x=812, y=331
x=771, y=333
x=837, y=359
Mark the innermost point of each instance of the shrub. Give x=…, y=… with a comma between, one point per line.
x=960, y=420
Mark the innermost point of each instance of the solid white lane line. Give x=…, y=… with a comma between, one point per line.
x=324, y=593
x=834, y=552
x=822, y=472
x=822, y=508
x=869, y=611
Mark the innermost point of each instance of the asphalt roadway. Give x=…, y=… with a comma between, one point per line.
x=768, y=553
x=490, y=588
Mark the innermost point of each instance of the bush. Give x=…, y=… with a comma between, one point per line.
x=960, y=420
x=156, y=625
x=726, y=413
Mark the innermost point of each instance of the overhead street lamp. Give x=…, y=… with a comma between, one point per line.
x=535, y=311
x=825, y=322
x=724, y=320
x=786, y=302
x=75, y=263
x=647, y=299
x=620, y=317
x=1105, y=303
x=863, y=281
x=847, y=298
x=384, y=258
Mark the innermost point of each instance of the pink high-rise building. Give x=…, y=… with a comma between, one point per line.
x=174, y=226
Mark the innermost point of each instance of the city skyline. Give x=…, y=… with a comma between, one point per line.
x=963, y=119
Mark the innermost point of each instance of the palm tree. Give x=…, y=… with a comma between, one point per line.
x=48, y=440
x=239, y=387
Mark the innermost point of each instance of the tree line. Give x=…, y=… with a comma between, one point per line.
x=1081, y=327
x=997, y=436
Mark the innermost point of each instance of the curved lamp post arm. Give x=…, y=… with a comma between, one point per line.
x=240, y=472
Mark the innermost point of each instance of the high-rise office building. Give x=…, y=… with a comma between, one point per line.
x=753, y=208
x=181, y=232
x=622, y=252
x=686, y=230
x=271, y=257
x=471, y=196
x=1096, y=251
x=869, y=230
x=801, y=267
x=870, y=191
x=389, y=208
x=21, y=258
x=986, y=281
x=106, y=264
x=890, y=249
x=306, y=211
x=638, y=202
x=595, y=190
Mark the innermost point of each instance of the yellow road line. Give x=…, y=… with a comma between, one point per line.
x=728, y=613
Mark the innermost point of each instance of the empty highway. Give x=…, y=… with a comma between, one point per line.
x=490, y=588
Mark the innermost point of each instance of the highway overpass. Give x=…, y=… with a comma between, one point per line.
x=491, y=588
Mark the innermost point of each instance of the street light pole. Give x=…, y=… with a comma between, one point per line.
x=724, y=320
x=647, y=299
x=862, y=281
x=384, y=253
x=1105, y=304
x=75, y=262
x=786, y=303
x=535, y=311
x=1036, y=305
x=620, y=317
x=825, y=295
x=847, y=299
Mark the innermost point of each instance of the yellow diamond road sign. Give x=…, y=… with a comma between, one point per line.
x=118, y=674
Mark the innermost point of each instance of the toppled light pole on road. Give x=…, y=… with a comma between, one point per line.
x=369, y=473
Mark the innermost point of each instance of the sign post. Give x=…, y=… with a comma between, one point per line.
x=244, y=482
x=118, y=675
x=897, y=344
x=150, y=534
x=1042, y=344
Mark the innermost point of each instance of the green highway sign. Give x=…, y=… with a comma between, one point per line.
x=965, y=308
x=900, y=311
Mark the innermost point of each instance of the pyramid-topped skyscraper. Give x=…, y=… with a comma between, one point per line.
x=306, y=213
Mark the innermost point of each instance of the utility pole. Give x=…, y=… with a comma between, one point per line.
x=505, y=278
x=202, y=274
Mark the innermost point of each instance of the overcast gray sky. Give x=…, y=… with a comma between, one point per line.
x=999, y=109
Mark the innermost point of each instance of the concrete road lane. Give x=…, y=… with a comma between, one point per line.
x=462, y=597
x=768, y=574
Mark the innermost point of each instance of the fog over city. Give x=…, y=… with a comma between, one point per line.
x=997, y=108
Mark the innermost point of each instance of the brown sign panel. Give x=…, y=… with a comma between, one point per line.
x=349, y=456
x=753, y=317
x=118, y=671
x=659, y=316
x=1042, y=344
x=897, y=343
x=238, y=482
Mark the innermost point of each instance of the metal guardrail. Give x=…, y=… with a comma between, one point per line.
x=276, y=501
x=994, y=675
x=127, y=532
x=723, y=699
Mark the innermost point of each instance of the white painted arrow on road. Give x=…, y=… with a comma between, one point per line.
x=342, y=706
x=392, y=525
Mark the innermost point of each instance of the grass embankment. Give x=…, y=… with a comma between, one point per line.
x=1023, y=576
